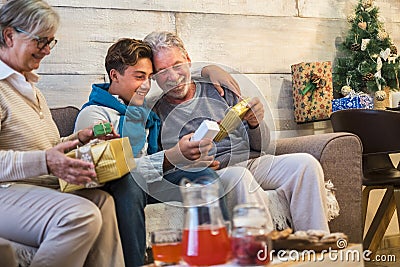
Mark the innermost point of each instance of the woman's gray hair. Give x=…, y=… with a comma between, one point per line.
x=161, y=40
x=33, y=16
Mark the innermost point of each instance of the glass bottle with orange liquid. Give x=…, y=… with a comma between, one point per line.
x=205, y=239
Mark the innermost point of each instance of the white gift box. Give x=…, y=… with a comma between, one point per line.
x=207, y=129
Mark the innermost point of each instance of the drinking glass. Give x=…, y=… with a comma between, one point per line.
x=166, y=246
x=249, y=235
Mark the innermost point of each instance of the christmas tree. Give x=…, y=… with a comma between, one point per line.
x=368, y=59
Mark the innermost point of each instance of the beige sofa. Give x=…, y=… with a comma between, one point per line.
x=338, y=153
x=340, y=157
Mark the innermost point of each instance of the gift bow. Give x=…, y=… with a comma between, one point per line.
x=353, y=94
x=316, y=82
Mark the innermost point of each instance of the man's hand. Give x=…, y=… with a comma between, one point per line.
x=220, y=77
x=74, y=171
x=255, y=113
x=190, y=153
x=214, y=165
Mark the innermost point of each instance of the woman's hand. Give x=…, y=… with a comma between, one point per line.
x=219, y=77
x=255, y=113
x=85, y=135
x=74, y=171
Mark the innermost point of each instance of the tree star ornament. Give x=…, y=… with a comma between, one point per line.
x=367, y=3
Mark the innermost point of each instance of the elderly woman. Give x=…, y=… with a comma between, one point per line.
x=67, y=229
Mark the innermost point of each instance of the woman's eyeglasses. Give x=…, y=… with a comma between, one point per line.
x=41, y=41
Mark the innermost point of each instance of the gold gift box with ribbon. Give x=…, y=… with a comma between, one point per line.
x=112, y=159
x=232, y=119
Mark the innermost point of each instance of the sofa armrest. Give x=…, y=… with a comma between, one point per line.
x=340, y=155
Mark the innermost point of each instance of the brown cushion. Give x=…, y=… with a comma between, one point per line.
x=64, y=118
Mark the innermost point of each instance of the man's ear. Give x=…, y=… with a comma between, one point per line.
x=189, y=60
x=114, y=75
x=8, y=35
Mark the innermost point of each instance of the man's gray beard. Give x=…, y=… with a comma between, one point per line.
x=180, y=94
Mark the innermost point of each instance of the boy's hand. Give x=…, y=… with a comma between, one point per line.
x=219, y=77
x=85, y=135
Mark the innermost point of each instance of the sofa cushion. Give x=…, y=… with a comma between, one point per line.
x=64, y=118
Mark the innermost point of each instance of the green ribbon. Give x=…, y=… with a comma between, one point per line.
x=309, y=86
x=315, y=83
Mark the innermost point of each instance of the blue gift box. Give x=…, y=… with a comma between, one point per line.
x=361, y=101
x=366, y=101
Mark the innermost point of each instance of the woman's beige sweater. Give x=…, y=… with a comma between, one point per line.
x=26, y=131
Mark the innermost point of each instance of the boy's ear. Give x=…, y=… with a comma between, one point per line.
x=114, y=74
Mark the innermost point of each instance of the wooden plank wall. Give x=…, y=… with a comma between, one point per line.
x=259, y=39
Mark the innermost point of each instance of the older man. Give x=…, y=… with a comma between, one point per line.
x=297, y=178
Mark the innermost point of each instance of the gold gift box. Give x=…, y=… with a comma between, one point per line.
x=232, y=119
x=112, y=159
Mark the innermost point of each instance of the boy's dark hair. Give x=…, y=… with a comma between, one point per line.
x=124, y=53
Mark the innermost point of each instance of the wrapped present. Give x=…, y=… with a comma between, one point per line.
x=101, y=129
x=112, y=159
x=232, y=119
x=312, y=91
x=353, y=101
x=366, y=101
